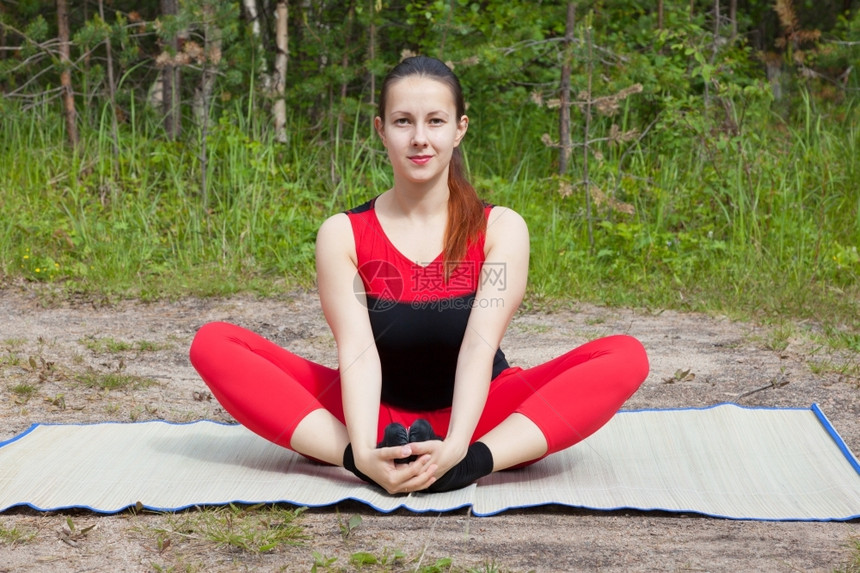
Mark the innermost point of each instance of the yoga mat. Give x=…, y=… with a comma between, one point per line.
x=723, y=461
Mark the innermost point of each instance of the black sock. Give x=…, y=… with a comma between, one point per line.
x=477, y=463
x=349, y=463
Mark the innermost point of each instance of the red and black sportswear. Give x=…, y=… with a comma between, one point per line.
x=418, y=317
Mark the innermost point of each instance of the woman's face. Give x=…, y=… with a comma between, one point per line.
x=420, y=129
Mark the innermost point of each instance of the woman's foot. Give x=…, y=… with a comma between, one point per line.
x=421, y=431
x=395, y=434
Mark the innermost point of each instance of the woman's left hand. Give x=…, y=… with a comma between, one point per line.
x=445, y=454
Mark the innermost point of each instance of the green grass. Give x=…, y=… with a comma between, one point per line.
x=254, y=529
x=108, y=345
x=112, y=380
x=762, y=224
x=23, y=391
x=852, y=565
x=16, y=535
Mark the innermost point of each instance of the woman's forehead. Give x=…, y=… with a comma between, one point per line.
x=416, y=90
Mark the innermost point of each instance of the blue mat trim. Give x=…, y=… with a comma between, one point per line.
x=822, y=418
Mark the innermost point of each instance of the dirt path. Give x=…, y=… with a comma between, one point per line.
x=49, y=351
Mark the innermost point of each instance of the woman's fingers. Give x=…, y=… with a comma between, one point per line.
x=411, y=477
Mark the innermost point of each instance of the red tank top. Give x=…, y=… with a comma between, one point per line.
x=418, y=319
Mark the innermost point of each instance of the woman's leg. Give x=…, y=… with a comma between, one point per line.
x=282, y=397
x=538, y=411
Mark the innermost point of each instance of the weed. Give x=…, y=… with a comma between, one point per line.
x=15, y=535
x=849, y=369
x=13, y=345
x=254, y=529
x=107, y=345
x=533, y=328
x=72, y=535
x=321, y=561
x=351, y=525
x=44, y=369
x=680, y=375
x=853, y=563
x=776, y=338
x=182, y=565
x=23, y=391
x=112, y=380
x=58, y=401
x=11, y=359
x=388, y=559
x=841, y=339
x=779, y=337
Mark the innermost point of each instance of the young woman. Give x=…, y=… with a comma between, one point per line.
x=418, y=286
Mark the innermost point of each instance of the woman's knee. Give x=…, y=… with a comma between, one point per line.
x=632, y=354
x=624, y=357
x=206, y=339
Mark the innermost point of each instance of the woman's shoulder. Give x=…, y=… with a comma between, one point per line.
x=506, y=229
x=335, y=229
x=502, y=219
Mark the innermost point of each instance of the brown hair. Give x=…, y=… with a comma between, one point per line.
x=466, y=221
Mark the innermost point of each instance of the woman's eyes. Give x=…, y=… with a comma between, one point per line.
x=406, y=121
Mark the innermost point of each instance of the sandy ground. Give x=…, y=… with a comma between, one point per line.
x=47, y=344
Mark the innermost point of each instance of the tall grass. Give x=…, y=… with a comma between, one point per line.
x=764, y=221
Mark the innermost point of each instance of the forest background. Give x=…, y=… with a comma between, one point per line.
x=689, y=154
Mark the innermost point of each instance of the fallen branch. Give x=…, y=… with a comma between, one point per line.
x=777, y=382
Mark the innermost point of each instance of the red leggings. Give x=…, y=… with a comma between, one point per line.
x=269, y=390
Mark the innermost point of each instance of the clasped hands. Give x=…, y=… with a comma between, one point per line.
x=433, y=459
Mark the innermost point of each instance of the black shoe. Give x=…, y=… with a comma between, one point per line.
x=421, y=431
x=395, y=434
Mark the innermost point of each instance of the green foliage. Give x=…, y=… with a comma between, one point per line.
x=252, y=529
x=706, y=192
x=112, y=380
x=16, y=535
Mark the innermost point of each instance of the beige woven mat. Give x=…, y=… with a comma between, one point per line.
x=725, y=461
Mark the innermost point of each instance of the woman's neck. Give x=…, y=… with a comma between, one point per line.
x=417, y=201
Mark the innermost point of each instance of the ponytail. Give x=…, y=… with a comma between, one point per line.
x=466, y=221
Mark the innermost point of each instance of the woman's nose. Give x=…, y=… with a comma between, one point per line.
x=419, y=137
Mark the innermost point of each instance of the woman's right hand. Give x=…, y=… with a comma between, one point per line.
x=378, y=464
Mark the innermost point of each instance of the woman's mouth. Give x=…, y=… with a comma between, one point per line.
x=420, y=159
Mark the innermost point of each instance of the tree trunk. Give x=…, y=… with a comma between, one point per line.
x=564, y=113
x=170, y=80
x=281, y=60
x=253, y=15
x=203, y=92
x=371, y=52
x=660, y=15
x=344, y=65
x=733, y=16
x=2, y=37
x=66, y=74
x=211, y=59
x=111, y=94
x=714, y=48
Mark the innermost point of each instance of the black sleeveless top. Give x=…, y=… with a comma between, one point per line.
x=418, y=318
